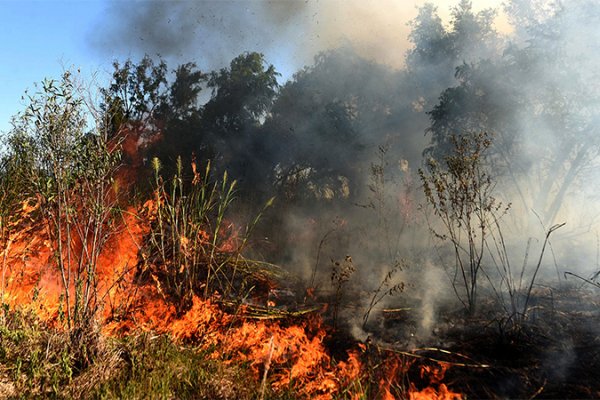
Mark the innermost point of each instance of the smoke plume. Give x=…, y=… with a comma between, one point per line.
x=347, y=130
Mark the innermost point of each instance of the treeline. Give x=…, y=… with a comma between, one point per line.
x=313, y=141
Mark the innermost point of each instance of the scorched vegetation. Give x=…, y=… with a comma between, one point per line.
x=226, y=235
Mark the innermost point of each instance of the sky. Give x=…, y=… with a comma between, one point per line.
x=40, y=39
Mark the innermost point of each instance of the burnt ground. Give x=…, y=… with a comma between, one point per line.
x=554, y=354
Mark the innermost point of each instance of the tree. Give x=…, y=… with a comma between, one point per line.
x=136, y=90
x=241, y=100
x=185, y=90
x=69, y=168
x=543, y=91
x=438, y=50
x=472, y=35
x=324, y=118
x=183, y=132
x=241, y=94
x=168, y=108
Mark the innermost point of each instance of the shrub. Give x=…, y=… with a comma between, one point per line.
x=460, y=192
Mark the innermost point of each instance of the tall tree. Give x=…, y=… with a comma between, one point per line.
x=241, y=99
x=327, y=118
x=241, y=94
x=438, y=50
x=542, y=91
x=137, y=90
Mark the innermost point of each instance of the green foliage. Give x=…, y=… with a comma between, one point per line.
x=154, y=367
x=241, y=94
x=14, y=167
x=39, y=362
x=36, y=359
x=241, y=99
x=342, y=102
x=69, y=169
x=184, y=91
x=136, y=90
x=222, y=129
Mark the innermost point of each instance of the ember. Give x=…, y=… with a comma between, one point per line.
x=436, y=389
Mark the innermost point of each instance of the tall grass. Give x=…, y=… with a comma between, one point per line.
x=193, y=248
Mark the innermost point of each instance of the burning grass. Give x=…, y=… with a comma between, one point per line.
x=106, y=299
x=145, y=343
x=38, y=362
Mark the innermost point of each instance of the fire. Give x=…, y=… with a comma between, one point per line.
x=429, y=393
x=130, y=139
x=436, y=389
x=296, y=354
x=290, y=352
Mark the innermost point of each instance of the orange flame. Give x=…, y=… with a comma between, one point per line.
x=436, y=389
x=291, y=352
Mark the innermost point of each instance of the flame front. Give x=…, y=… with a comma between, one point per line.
x=290, y=351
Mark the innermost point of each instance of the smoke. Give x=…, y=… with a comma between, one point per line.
x=433, y=283
x=352, y=121
x=211, y=32
x=290, y=33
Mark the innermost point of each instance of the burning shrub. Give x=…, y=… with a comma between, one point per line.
x=192, y=249
x=68, y=168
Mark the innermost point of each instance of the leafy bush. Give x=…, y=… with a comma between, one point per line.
x=68, y=167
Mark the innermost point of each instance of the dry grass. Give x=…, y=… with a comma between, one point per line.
x=37, y=361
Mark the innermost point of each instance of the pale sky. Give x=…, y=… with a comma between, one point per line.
x=41, y=38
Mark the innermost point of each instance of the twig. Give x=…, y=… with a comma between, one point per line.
x=537, y=268
x=321, y=243
x=540, y=390
x=452, y=363
x=582, y=278
x=267, y=366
